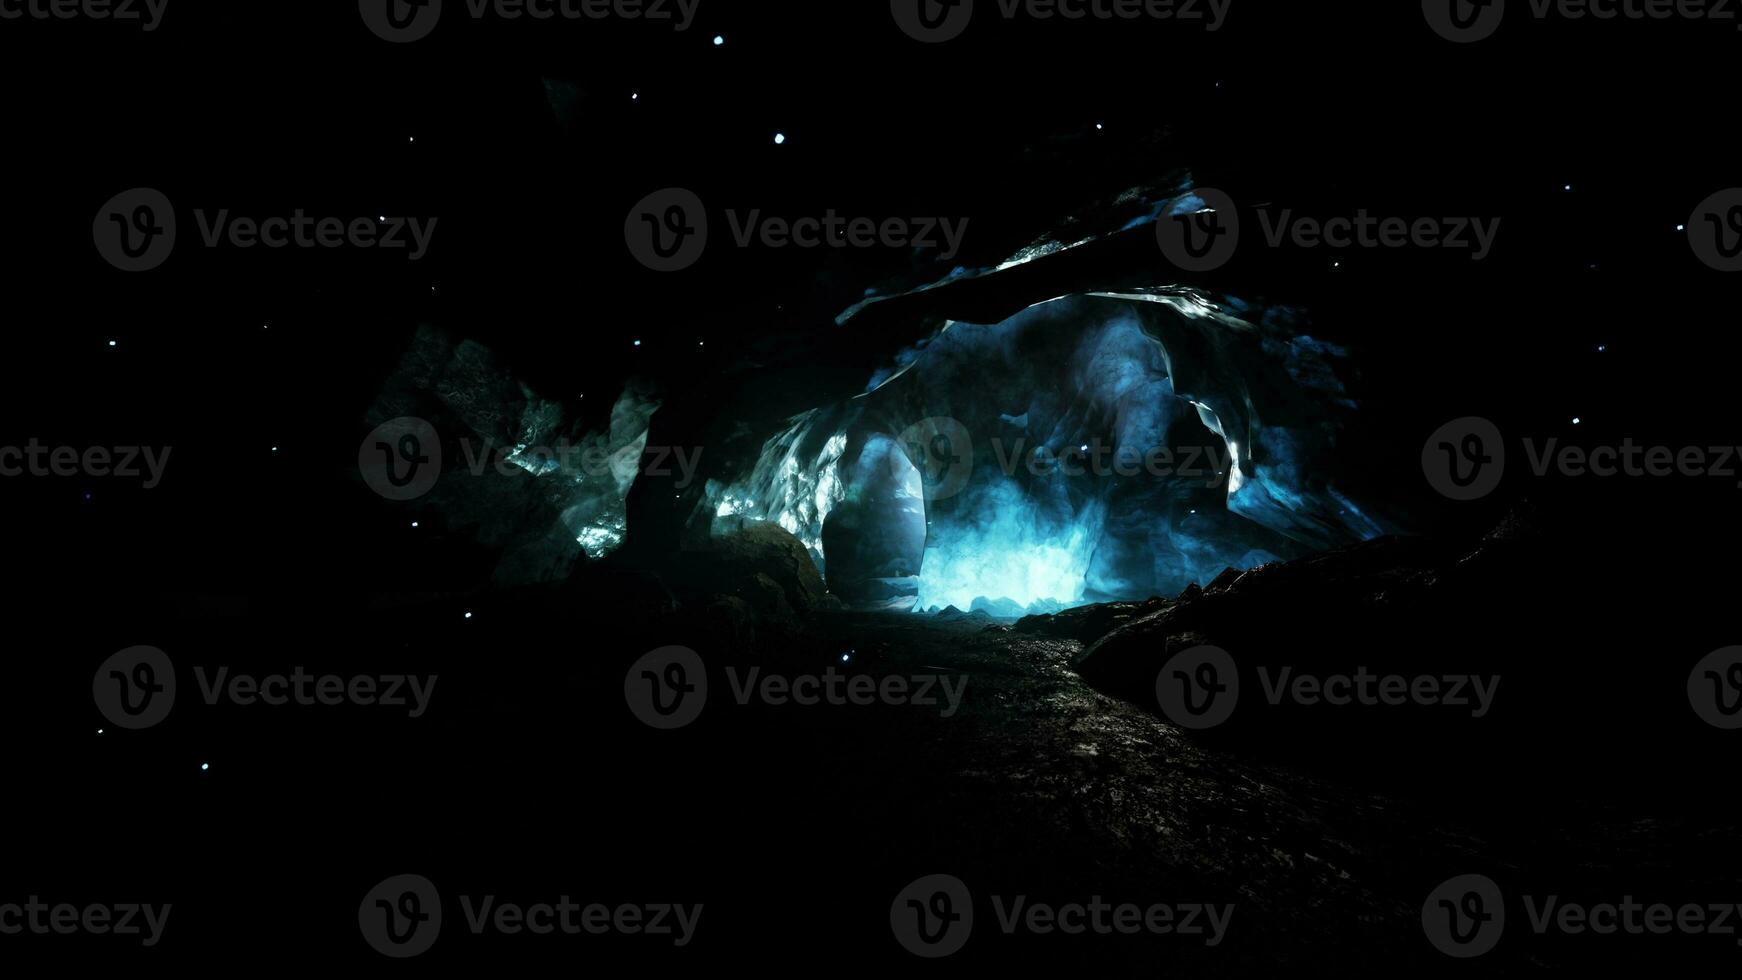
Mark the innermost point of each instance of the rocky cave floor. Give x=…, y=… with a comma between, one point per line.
x=1056, y=779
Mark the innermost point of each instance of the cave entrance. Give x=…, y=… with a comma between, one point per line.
x=874, y=538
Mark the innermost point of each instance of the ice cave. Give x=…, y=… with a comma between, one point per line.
x=1094, y=446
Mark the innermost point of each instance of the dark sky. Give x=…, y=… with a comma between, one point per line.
x=268, y=107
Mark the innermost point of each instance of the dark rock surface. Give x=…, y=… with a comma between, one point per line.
x=777, y=561
x=796, y=825
x=1580, y=678
x=1087, y=623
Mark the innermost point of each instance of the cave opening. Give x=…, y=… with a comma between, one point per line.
x=875, y=536
x=1091, y=448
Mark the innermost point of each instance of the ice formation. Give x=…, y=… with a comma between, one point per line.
x=1092, y=447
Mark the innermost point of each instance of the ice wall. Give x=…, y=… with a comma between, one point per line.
x=1092, y=447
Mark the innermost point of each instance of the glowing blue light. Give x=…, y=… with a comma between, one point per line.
x=719, y=39
x=779, y=139
x=204, y=766
x=1013, y=550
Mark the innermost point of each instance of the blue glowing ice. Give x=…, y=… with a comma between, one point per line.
x=1103, y=446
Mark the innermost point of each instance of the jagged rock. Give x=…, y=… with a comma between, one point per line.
x=1228, y=577
x=769, y=560
x=1279, y=610
x=732, y=619
x=1414, y=609
x=1089, y=623
x=1001, y=607
x=768, y=598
